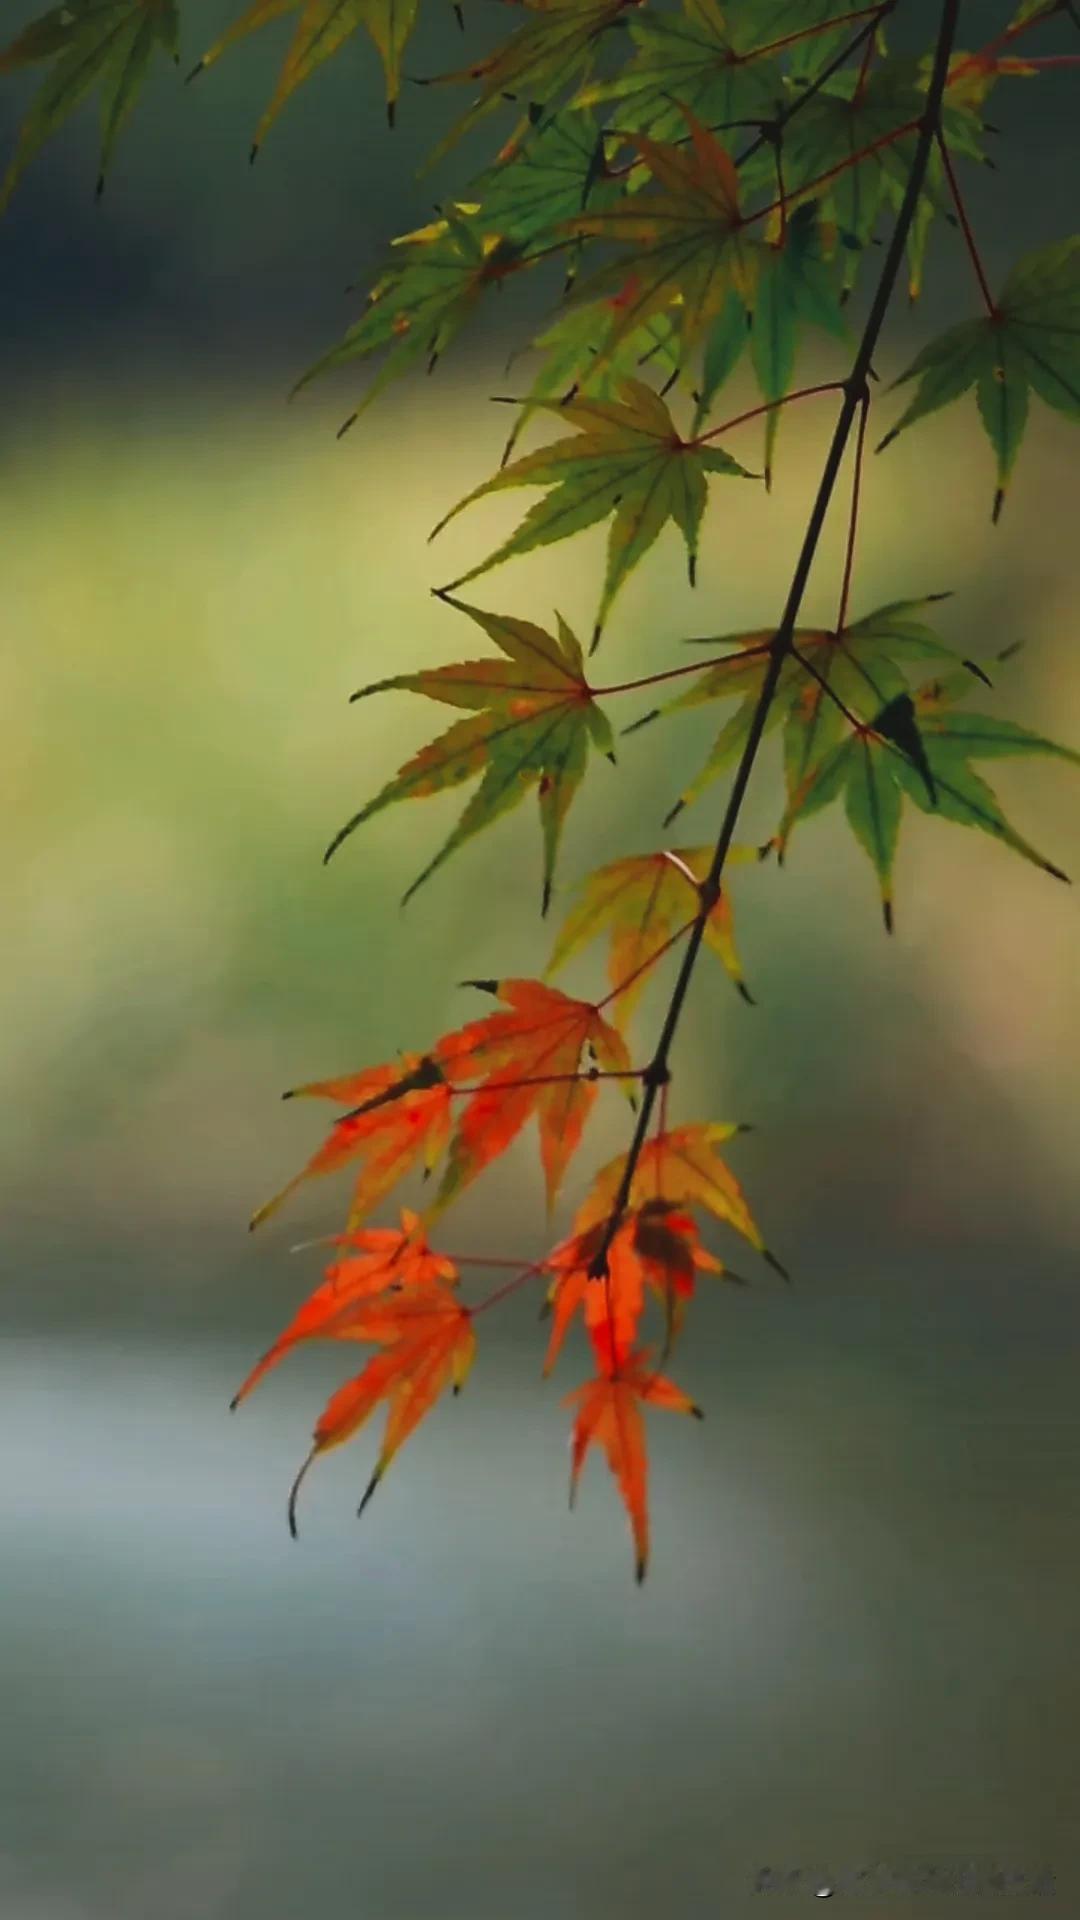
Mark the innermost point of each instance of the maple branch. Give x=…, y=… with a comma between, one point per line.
x=965, y=226
x=772, y=130
x=853, y=520
x=855, y=390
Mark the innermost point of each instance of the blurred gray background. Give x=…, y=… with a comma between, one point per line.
x=857, y=1639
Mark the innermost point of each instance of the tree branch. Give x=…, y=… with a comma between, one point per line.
x=855, y=390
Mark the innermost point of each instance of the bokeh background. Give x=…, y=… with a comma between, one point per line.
x=857, y=1641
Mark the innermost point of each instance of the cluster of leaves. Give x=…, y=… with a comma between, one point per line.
x=703, y=185
x=459, y=1106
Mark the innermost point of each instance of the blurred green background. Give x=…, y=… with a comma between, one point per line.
x=857, y=1638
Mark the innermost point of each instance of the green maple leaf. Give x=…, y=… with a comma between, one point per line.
x=575, y=361
x=627, y=459
x=105, y=44
x=1030, y=342
x=542, y=179
x=797, y=285
x=321, y=31
x=417, y=308
x=920, y=749
x=531, y=720
x=864, y=669
x=541, y=60
x=879, y=121
x=696, y=58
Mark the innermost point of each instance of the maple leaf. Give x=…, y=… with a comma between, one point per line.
x=797, y=285
x=611, y=1306
x=679, y=1166
x=688, y=247
x=642, y=902
x=527, y=1060
x=851, y=149
x=321, y=30
x=399, y=1117
x=863, y=666
x=609, y=1415
x=429, y=1343
x=627, y=459
x=380, y=1259
x=920, y=749
x=416, y=309
x=539, y=61
x=655, y=1246
x=1031, y=341
x=542, y=178
x=91, y=43
x=696, y=58
x=533, y=720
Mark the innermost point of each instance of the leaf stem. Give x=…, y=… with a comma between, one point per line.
x=768, y=406
x=965, y=226
x=668, y=673
x=855, y=389
x=671, y=941
x=508, y=1287
x=586, y=1076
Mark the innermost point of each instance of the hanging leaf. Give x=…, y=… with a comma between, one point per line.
x=576, y=363
x=862, y=668
x=798, y=285
x=656, y=1246
x=538, y=63
x=919, y=749
x=382, y=1260
x=641, y=903
x=543, y=1057
x=692, y=61
x=543, y=178
x=687, y=247
x=628, y=460
x=1031, y=341
x=399, y=1118
x=533, y=720
x=680, y=1166
x=609, y=1416
x=321, y=31
x=103, y=44
x=418, y=308
x=428, y=1344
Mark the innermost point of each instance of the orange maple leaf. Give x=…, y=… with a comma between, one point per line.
x=428, y=1342
x=399, y=1116
x=656, y=1247
x=525, y=1061
x=612, y=1305
x=609, y=1414
x=385, y=1259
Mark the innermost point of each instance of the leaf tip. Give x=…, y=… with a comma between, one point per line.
x=369, y=1490
x=199, y=67
x=776, y=1265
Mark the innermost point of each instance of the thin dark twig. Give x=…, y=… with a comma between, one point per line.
x=787, y=114
x=853, y=518
x=855, y=388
